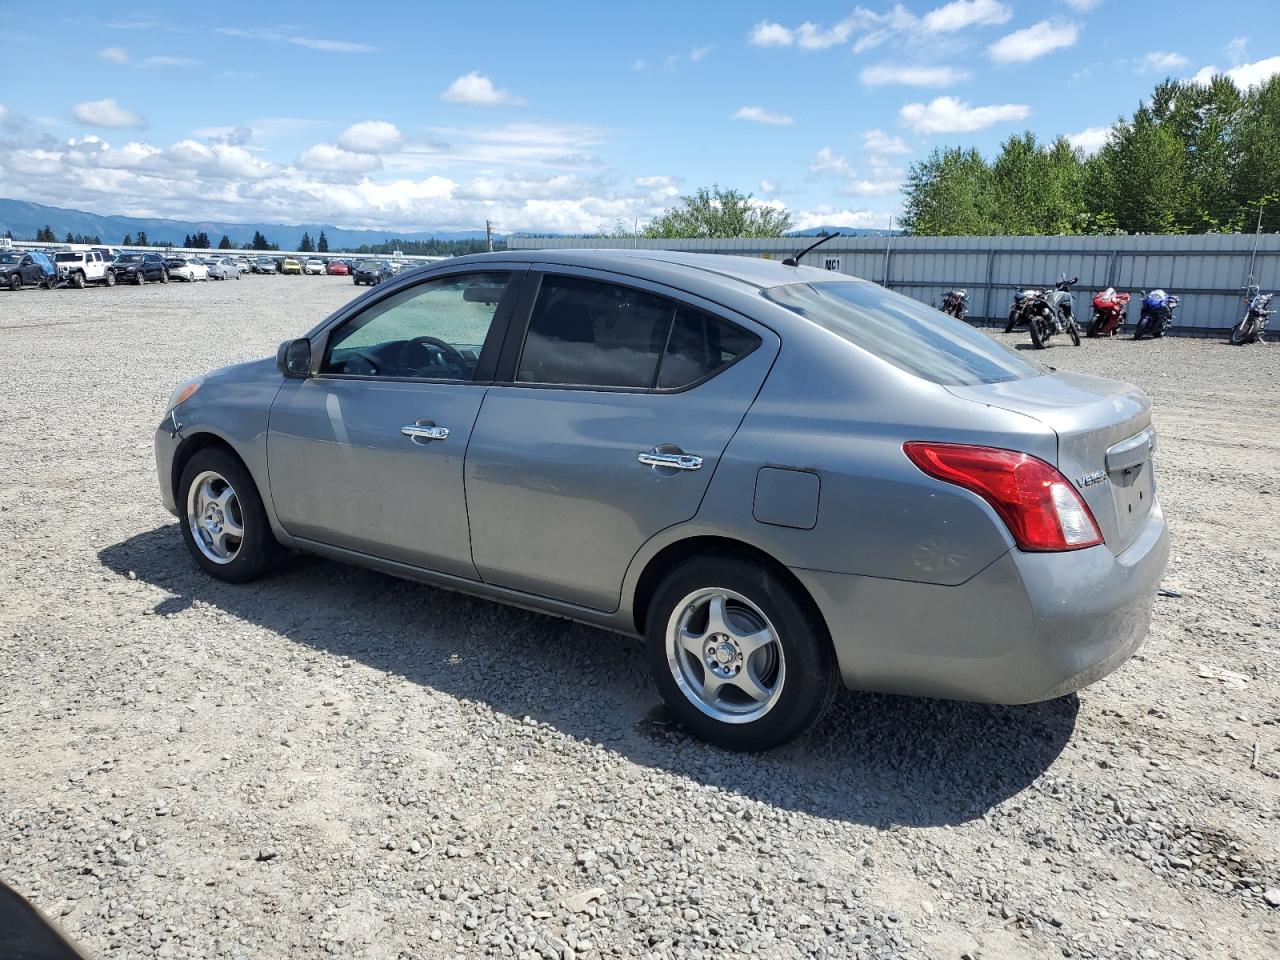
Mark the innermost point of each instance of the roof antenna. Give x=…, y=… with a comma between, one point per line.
x=794, y=261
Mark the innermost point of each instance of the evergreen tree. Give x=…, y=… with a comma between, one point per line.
x=259, y=242
x=322, y=245
x=225, y=243
x=142, y=238
x=45, y=235
x=70, y=238
x=127, y=241
x=305, y=245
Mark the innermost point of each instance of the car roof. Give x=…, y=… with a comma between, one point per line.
x=714, y=268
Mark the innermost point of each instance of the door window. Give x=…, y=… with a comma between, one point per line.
x=699, y=346
x=588, y=333
x=433, y=331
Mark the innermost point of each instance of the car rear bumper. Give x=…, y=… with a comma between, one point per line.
x=1031, y=626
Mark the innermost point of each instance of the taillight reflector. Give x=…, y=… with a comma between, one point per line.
x=1037, y=503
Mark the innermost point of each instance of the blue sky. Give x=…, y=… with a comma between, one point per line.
x=566, y=116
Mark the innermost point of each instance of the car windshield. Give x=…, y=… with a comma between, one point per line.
x=129, y=258
x=9, y=258
x=911, y=335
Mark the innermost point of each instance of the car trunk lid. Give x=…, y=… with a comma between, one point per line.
x=1105, y=441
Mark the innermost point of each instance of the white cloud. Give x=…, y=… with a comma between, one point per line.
x=828, y=160
x=1158, y=61
x=290, y=35
x=1236, y=49
x=880, y=184
x=167, y=62
x=966, y=13
x=114, y=55
x=1090, y=140
x=4, y=113
x=883, y=74
x=1034, y=41
x=877, y=141
x=761, y=115
x=833, y=217
x=370, y=136
x=1084, y=6
x=325, y=156
x=1244, y=76
x=698, y=54
x=106, y=113
x=478, y=90
x=950, y=115
x=768, y=186
x=807, y=36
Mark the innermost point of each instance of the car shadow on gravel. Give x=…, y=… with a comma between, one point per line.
x=879, y=760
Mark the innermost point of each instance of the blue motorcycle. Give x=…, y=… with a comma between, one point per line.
x=1157, y=314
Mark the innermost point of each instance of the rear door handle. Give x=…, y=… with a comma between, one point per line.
x=678, y=461
x=419, y=432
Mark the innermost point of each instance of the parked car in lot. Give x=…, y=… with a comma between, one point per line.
x=81, y=267
x=141, y=267
x=338, y=268
x=264, y=265
x=187, y=268
x=290, y=265
x=314, y=267
x=30, y=269
x=781, y=478
x=223, y=269
x=371, y=272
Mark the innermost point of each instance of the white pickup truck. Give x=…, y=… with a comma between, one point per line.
x=79, y=267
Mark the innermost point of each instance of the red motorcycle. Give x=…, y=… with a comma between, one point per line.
x=1109, y=310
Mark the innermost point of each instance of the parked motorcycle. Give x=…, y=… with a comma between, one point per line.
x=1109, y=309
x=1018, y=309
x=955, y=303
x=1250, y=327
x=1157, y=314
x=1051, y=312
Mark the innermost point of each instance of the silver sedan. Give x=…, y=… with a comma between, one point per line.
x=782, y=478
x=223, y=268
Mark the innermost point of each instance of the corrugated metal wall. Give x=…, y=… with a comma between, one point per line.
x=1208, y=272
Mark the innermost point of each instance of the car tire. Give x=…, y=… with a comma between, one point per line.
x=77, y=280
x=15, y=282
x=792, y=671
x=109, y=278
x=221, y=556
x=164, y=276
x=1012, y=321
x=1036, y=339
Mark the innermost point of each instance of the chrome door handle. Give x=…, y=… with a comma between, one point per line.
x=420, y=431
x=678, y=461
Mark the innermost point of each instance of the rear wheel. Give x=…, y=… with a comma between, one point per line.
x=1038, y=337
x=1141, y=328
x=224, y=523
x=738, y=653
x=164, y=276
x=15, y=282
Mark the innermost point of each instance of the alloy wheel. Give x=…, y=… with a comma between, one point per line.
x=214, y=517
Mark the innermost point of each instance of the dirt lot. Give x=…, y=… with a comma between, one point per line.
x=332, y=761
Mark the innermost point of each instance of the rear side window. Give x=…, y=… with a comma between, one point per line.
x=700, y=345
x=905, y=332
x=588, y=333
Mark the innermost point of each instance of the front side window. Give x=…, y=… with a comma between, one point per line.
x=904, y=332
x=589, y=333
x=435, y=330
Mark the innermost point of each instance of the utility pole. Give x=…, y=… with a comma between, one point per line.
x=488, y=235
x=888, y=238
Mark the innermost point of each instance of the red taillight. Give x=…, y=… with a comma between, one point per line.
x=1036, y=502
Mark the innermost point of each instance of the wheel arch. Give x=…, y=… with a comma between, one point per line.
x=193, y=444
x=673, y=554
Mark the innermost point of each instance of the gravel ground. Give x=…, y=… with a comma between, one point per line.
x=335, y=762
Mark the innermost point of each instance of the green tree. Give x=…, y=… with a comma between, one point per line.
x=305, y=245
x=717, y=212
x=225, y=243
x=950, y=193
x=45, y=235
x=259, y=242
x=127, y=241
x=70, y=238
x=142, y=238
x=322, y=245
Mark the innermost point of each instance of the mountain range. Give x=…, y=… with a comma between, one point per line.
x=23, y=218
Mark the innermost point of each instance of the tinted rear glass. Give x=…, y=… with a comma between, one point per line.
x=905, y=332
x=699, y=345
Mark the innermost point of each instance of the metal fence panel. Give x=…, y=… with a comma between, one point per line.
x=1207, y=271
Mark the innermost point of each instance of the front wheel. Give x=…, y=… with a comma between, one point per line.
x=15, y=282
x=77, y=280
x=1095, y=326
x=738, y=652
x=224, y=523
x=164, y=276
x=1012, y=322
x=1242, y=332
x=1141, y=328
x=1073, y=331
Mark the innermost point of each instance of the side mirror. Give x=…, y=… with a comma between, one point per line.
x=294, y=358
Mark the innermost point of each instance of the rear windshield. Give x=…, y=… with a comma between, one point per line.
x=905, y=332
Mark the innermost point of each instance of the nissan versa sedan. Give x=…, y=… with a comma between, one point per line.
x=780, y=477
